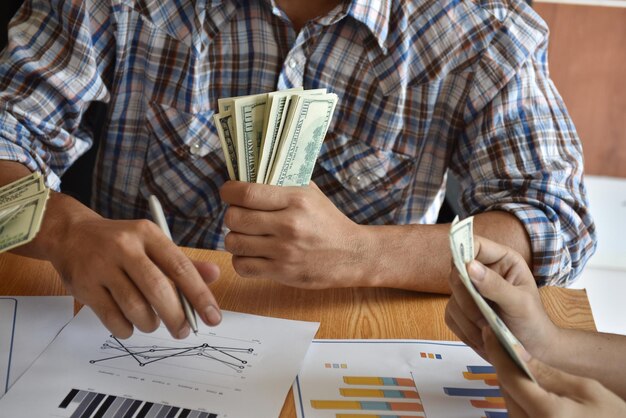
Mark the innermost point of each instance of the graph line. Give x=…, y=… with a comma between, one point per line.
x=148, y=354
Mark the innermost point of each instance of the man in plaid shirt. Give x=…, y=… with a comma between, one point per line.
x=426, y=88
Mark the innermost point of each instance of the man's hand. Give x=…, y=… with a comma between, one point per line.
x=291, y=234
x=502, y=276
x=555, y=395
x=124, y=270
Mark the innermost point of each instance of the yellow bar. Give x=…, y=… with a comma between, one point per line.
x=366, y=393
x=362, y=380
x=483, y=376
x=335, y=405
x=498, y=399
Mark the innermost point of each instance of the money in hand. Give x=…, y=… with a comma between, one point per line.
x=462, y=247
x=274, y=138
x=22, y=205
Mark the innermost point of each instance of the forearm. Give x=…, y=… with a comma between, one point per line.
x=590, y=354
x=417, y=257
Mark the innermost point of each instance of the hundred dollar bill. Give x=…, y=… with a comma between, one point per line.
x=21, y=188
x=275, y=122
x=248, y=119
x=25, y=223
x=301, y=139
x=223, y=122
x=7, y=212
x=462, y=247
x=280, y=118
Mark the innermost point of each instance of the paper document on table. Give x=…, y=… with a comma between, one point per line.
x=27, y=325
x=462, y=247
x=241, y=368
x=396, y=378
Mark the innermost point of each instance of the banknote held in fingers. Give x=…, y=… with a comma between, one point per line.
x=462, y=248
x=22, y=206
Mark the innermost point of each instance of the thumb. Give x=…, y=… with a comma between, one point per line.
x=493, y=286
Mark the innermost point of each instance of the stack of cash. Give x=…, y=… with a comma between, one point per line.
x=22, y=204
x=274, y=138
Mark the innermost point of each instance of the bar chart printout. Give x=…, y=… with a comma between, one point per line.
x=396, y=379
x=372, y=379
x=462, y=391
x=241, y=368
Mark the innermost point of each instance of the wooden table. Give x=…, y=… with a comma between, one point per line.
x=343, y=313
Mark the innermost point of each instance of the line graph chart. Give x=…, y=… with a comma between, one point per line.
x=144, y=355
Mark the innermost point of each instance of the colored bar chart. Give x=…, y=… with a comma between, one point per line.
x=481, y=398
x=86, y=404
x=378, y=381
x=393, y=394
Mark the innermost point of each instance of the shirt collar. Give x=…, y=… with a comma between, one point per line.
x=375, y=15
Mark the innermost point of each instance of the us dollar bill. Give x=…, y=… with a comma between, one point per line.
x=248, y=119
x=462, y=247
x=25, y=222
x=21, y=188
x=302, y=139
x=224, y=125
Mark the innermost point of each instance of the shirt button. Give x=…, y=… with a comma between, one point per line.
x=355, y=181
x=292, y=63
x=194, y=147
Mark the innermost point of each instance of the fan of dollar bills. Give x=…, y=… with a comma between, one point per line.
x=274, y=138
x=22, y=205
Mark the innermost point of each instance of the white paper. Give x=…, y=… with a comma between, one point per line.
x=607, y=203
x=27, y=325
x=374, y=378
x=606, y=290
x=241, y=368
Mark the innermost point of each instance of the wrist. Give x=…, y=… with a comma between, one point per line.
x=552, y=341
x=415, y=257
x=62, y=214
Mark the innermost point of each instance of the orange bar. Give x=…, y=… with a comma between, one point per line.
x=481, y=376
x=485, y=404
x=406, y=406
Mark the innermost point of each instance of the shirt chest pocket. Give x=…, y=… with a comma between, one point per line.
x=366, y=183
x=184, y=165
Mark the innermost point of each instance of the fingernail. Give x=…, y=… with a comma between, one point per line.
x=184, y=332
x=476, y=271
x=212, y=316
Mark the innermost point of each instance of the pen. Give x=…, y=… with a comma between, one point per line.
x=159, y=217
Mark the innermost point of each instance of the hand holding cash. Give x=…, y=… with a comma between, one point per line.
x=274, y=138
x=22, y=205
x=462, y=247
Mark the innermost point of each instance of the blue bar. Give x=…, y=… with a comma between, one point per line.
x=476, y=393
x=481, y=369
x=438, y=356
x=489, y=414
x=393, y=393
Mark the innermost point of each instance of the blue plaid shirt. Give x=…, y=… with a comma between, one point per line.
x=425, y=88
